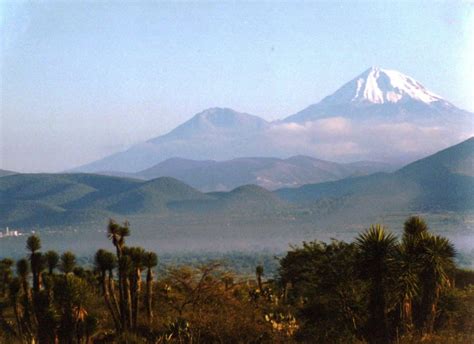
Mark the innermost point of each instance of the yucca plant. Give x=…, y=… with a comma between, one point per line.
x=105, y=262
x=436, y=261
x=150, y=260
x=376, y=261
x=52, y=261
x=33, y=244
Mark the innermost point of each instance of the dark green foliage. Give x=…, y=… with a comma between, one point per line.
x=376, y=264
x=390, y=288
x=376, y=289
x=322, y=281
x=68, y=262
x=52, y=260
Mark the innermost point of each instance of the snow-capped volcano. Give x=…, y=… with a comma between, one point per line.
x=379, y=115
x=381, y=86
x=378, y=92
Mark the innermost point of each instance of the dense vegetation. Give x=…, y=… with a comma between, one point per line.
x=377, y=289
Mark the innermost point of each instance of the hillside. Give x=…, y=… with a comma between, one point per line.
x=67, y=199
x=442, y=181
x=4, y=173
x=270, y=173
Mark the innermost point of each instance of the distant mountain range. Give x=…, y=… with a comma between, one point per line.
x=441, y=182
x=380, y=115
x=270, y=173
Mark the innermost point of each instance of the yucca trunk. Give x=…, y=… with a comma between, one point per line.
x=111, y=288
x=105, y=293
x=35, y=267
x=123, y=298
x=126, y=303
x=378, y=318
x=136, y=281
x=432, y=312
x=149, y=296
x=27, y=314
x=407, y=313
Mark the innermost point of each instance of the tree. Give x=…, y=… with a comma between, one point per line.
x=150, y=260
x=437, y=261
x=33, y=244
x=125, y=267
x=68, y=262
x=52, y=261
x=117, y=234
x=136, y=255
x=376, y=263
x=409, y=264
x=23, y=272
x=414, y=226
x=70, y=295
x=320, y=280
x=104, y=262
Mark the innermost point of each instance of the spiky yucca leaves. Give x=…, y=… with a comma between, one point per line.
x=68, y=262
x=406, y=286
x=117, y=233
x=437, y=262
x=414, y=226
x=376, y=263
x=33, y=244
x=70, y=297
x=52, y=261
x=408, y=282
x=425, y=264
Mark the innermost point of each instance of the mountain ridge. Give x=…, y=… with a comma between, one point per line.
x=383, y=97
x=270, y=173
x=430, y=184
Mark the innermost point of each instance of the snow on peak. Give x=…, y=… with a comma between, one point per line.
x=379, y=86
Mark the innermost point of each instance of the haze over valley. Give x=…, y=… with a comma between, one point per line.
x=71, y=209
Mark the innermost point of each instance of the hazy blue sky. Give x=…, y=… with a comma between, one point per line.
x=82, y=80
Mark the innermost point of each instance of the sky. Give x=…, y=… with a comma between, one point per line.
x=81, y=80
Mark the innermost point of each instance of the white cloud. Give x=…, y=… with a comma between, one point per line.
x=342, y=139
